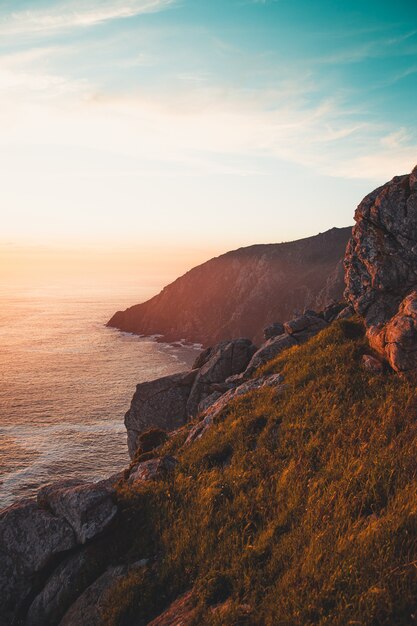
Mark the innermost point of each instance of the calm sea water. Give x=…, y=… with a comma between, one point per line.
x=65, y=383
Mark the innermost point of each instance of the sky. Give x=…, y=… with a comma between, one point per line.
x=173, y=130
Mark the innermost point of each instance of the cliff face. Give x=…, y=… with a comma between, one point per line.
x=381, y=276
x=240, y=293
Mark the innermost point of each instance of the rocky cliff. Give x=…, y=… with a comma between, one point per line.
x=239, y=293
x=381, y=270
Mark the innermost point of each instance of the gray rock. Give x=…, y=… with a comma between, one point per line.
x=216, y=409
x=89, y=607
x=87, y=507
x=270, y=350
x=159, y=403
x=381, y=269
x=274, y=330
x=226, y=359
x=67, y=582
x=154, y=469
x=208, y=401
x=30, y=538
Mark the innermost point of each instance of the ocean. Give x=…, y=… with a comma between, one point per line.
x=66, y=382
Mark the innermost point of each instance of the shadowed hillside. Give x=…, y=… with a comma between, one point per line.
x=240, y=293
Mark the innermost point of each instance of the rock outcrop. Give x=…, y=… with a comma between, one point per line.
x=226, y=359
x=159, y=403
x=242, y=292
x=171, y=401
x=89, y=607
x=66, y=583
x=381, y=270
x=35, y=536
x=88, y=508
x=295, y=332
x=30, y=539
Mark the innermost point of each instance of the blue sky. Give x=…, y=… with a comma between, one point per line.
x=207, y=124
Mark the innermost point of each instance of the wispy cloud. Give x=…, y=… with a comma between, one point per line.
x=75, y=14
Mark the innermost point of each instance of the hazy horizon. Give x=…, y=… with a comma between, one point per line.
x=147, y=136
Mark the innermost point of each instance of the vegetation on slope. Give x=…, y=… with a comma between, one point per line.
x=294, y=510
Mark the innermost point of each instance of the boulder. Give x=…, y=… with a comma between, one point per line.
x=225, y=359
x=30, y=539
x=66, y=583
x=159, y=403
x=154, y=469
x=400, y=336
x=87, y=507
x=381, y=269
x=270, y=349
x=274, y=330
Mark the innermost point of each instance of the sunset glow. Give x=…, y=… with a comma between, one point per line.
x=160, y=122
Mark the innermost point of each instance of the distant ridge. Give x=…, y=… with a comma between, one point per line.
x=241, y=292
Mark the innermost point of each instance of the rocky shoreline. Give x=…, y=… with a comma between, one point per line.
x=61, y=552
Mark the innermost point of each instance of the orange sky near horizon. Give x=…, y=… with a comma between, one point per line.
x=108, y=266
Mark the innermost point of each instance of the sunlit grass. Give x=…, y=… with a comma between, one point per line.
x=299, y=509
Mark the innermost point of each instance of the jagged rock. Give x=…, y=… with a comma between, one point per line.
x=89, y=607
x=67, y=582
x=372, y=364
x=154, y=469
x=274, y=330
x=226, y=359
x=381, y=269
x=210, y=415
x=87, y=507
x=268, y=351
x=159, y=403
x=30, y=539
x=180, y=613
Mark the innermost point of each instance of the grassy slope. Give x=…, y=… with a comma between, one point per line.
x=301, y=509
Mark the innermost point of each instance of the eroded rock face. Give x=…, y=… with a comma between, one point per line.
x=224, y=360
x=87, y=507
x=159, y=403
x=30, y=538
x=89, y=607
x=64, y=586
x=381, y=269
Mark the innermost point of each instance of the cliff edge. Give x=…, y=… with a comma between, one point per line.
x=241, y=292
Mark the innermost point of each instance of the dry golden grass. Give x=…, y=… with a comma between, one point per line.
x=302, y=508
